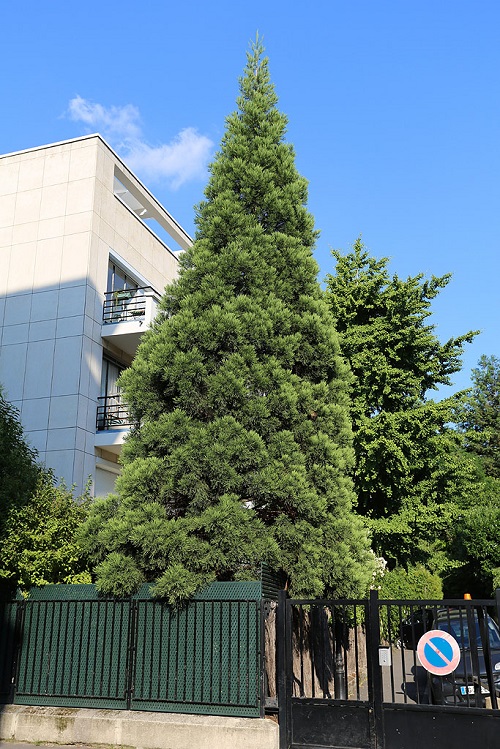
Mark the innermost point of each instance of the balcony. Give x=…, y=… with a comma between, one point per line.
x=113, y=423
x=127, y=313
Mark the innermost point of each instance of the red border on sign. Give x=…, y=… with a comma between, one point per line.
x=426, y=640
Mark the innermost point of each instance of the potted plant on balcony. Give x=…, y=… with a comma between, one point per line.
x=119, y=299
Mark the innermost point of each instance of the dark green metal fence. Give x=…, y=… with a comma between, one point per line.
x=64, y=646
x=206, y=654
x=73, y=654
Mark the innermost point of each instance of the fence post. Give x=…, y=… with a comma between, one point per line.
x=375, y=686
x=131, y=651
x=474, y=655
x=485, y=640
x=262, y=658
x=339, y=683
x=281, y=668
x=18, y=638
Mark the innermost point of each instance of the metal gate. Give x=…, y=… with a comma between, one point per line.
x=349, y=676
x=136, y=653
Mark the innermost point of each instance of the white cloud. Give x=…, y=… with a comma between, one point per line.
x=183, y=159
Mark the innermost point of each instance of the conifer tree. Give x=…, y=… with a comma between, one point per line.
x=243, y=450
x=479, y=415
x=410, y=468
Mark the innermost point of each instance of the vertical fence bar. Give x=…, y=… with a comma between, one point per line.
x=195, y=643
x=281, y=666
x=374, y=673
x=247, y=650
x=130, y=666
x=356, y=653
x=262, y=658
x=484, y=634
x=185, y=646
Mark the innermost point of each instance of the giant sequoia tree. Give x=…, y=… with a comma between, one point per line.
x=243, y=449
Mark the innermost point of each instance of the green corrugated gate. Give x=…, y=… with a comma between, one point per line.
x=75, y=649
x=206, y=654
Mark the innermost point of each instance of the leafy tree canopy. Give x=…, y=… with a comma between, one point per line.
x=474, y=537
x=394, y=354
x=410, y=468
x=18, y=469
x=243, y=451
x=479, y=415
x=403, y=446
x=40, y=546
x=38, y=520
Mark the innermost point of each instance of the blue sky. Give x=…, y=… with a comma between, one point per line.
x=393, y=106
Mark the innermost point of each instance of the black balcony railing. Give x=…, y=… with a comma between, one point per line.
x=127, y=304
x=112, y=413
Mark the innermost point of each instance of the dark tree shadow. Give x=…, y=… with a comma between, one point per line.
x=10, y=634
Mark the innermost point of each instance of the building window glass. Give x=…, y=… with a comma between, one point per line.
x=111, y=370
x=118, y=279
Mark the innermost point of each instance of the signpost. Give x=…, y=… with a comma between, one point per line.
x=438, y=652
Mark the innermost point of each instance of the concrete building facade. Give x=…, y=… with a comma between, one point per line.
x=82, y=267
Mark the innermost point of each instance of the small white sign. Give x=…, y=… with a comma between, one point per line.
x=384, y=657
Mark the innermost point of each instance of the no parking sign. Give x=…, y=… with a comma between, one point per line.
x=438, y=652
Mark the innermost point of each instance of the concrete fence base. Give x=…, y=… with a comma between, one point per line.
x=134, y=729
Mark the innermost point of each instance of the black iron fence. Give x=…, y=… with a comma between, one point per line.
x=465, y=628
x=329, y=649
x=388, y=673
x=124, y=305
x=339, y=673
x=133, y=654
x=112, y=413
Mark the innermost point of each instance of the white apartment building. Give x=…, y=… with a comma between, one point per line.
x=82, y=267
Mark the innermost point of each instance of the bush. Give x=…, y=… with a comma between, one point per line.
x=415, y=582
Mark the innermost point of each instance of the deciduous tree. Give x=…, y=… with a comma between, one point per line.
x=38, y=520
x=18, y=469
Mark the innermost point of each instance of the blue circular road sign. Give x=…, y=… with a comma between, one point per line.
x=438, y=652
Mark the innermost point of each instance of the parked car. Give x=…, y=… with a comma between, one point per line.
x=468, y=684
x=414, y=626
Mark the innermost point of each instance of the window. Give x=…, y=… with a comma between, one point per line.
x=109, y=377
x=118, y=280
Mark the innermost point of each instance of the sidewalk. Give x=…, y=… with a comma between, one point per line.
x=86, y=728
x=15, y=745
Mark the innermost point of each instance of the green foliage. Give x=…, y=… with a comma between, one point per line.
x=39, y=546
x=38, y=520
x=475, y=536
x=416, y=582
x=413, y=583
x=244, y=451
x=410, y=467
x=18, y=469
x=395, y=356
x=118, y=575
x=479, y=415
